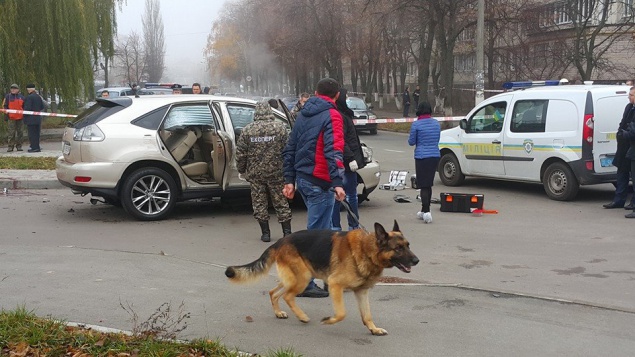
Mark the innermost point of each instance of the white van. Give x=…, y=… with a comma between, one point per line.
x=562, y=136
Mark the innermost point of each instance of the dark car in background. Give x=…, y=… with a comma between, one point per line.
x=362, y=111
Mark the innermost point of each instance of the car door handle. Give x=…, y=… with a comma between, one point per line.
x=496, y=142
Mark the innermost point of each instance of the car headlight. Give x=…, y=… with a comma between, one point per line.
x=368, y=153
x=372, y=116
x=89, y=133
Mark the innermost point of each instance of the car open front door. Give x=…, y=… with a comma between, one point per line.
x=222, y=157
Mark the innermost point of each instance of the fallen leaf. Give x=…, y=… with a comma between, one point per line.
x=249, y=319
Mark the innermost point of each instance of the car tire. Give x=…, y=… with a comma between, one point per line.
x=373, y=131
x=149, y=194
x=559, y=182
x=450, y=171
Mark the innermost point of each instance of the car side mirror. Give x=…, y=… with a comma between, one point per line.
x=370, y=107
x=237, y=132
x=463, y=124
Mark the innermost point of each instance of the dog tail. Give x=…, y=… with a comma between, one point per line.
x=254, y=270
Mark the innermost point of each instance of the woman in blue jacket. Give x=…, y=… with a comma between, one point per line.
x=424, y=135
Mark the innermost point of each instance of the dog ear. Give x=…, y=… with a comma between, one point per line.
x=380, y=232
x=395, y=227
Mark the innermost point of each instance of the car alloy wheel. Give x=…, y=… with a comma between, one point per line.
x=149, y=194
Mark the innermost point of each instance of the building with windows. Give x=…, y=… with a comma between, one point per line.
x=547, y=39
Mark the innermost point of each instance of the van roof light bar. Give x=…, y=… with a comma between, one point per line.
x=529, y=84
x=161, y=85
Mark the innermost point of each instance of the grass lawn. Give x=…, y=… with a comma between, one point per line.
x=22, y=333
x=27, y=163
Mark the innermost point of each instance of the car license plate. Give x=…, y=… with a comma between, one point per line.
x=66, y=148
x=606, y=161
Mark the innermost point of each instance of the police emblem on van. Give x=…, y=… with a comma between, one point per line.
x=528, y=144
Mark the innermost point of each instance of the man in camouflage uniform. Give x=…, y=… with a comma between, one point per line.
x=259, y=160
x=304, y=96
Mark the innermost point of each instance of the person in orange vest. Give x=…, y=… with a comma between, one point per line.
x=14, y=100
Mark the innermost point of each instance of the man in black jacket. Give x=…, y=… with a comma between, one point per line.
x=353, y=161
x=620, y=161
x=629, y=134
x=406, y=102
x=34, y=103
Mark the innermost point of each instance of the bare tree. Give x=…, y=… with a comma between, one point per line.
x=453, y=17
x=153, y=40
x=131, y=57
x=588, y=29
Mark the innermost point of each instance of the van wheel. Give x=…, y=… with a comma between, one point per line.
x=560, y=183
x=450, y=171
x=149, y=194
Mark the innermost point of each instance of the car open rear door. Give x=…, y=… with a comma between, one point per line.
x=608, y=111
x=222, y=157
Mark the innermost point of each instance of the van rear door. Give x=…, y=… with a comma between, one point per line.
x=607, y=114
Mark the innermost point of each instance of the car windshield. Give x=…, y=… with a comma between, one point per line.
x=355, y=103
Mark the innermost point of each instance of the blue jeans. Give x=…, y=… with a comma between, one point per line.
x=621, y=187
x=319, y=204
x=350, y=187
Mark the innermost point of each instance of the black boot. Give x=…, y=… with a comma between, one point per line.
x=266, y=233
x=286, y=228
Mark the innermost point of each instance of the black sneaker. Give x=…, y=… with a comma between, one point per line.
x=314, y=292
x=9, y=149
x=630, y=215
x=19, y=149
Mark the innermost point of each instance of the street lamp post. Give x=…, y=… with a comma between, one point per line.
x=479, y=75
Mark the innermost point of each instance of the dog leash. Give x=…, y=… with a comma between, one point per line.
x=350, y=211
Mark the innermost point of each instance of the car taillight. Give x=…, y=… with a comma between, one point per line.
x=89, y=133
x=587, y=131
x=587, y=136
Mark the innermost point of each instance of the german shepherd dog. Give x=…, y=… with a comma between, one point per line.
x=345, y=260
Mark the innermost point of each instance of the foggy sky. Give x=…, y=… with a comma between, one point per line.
x=187, y=23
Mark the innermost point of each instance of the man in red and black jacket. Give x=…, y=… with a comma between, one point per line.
x=14, y=100
x=313, y=159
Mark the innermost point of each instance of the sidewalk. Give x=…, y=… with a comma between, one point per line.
x=33, y=179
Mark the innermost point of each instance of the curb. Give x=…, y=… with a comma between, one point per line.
x=29, y=179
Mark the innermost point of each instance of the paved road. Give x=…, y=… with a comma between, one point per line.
x=62, y=256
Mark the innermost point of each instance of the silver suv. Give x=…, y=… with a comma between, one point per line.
x=148, y=153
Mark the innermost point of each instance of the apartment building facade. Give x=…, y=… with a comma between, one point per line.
x=547, y=39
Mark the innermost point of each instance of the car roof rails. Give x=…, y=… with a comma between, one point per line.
x=530, y=84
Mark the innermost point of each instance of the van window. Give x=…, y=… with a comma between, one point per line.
x=529, y=116
x=190, y=114
x=488, y=119
x=562, y=115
